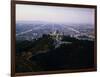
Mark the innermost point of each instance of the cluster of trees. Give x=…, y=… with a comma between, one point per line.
x=78, y=54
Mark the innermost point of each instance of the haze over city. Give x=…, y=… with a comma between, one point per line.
x=54, y=14
x=51, y=38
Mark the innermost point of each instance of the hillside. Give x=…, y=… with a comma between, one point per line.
x=41, y=54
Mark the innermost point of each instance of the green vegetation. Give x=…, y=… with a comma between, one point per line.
x=41, y=54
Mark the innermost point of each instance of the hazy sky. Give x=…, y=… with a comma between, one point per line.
x=54, y=14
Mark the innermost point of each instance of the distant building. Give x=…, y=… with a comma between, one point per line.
x=58, y=36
